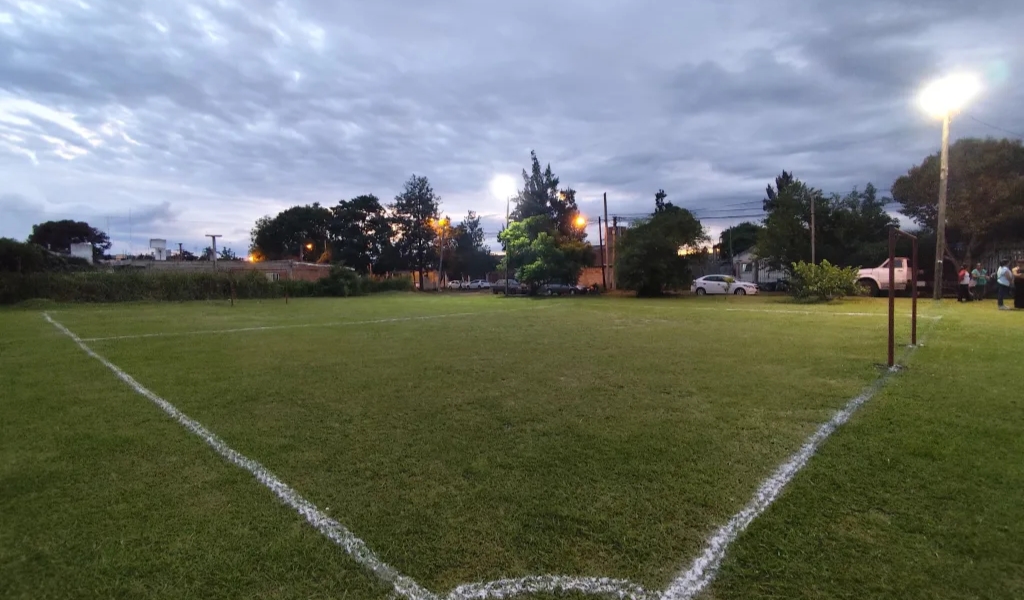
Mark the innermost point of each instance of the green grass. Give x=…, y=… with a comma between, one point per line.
x=480, y=437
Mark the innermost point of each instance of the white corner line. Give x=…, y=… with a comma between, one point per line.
x=688, y=584
x=336, y=532
x=355, y=547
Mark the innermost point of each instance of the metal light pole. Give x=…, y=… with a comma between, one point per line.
x=940, y=225
x=942, y=99
x=508, y=255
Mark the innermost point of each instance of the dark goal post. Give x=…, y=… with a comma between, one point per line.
x=893, y=234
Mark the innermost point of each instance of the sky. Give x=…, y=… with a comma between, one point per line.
x=199, y=117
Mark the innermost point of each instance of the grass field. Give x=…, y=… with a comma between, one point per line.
x=467, y=439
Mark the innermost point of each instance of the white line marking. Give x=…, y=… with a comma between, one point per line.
x=551, y=584
x=299, y=326
x=702, y=571
x=336, y=532
x=817, y=312
x=686, y=586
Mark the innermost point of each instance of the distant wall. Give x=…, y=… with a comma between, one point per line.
x=287, y=270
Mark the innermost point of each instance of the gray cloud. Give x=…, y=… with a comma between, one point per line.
x=208, y=114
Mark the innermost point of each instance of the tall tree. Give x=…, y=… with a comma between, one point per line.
x=738, y=239
x=541, y=196
x=647, y=255
x=228, y=254
x=470, y=257
x=414, y=211
x=786, y=236
x=985, y=199
x=288, y=234
x=59, y=235
x=362, y=234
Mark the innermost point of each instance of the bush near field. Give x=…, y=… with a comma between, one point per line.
x=135, y=286
x=823, y=282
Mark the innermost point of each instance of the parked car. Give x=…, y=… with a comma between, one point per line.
x=455, y=284
x=558, y=289
x=478, y=284
x=514, y=287
x=722, y=284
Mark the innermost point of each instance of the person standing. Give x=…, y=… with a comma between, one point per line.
x=1018, y=293
x=1004, y=279
x=980, y=277
x=963, y=293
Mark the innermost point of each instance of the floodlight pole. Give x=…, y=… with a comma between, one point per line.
x=508, y=254
x=940, y=225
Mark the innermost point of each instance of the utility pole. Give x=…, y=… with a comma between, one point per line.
x=508, y=255
x=214, y=238
x=813, y=261
x=600, y=242
x=732, y=256
x=614, y=233
x=440, y=253
x=604, y=248
x=181, y=253
x=940, y=227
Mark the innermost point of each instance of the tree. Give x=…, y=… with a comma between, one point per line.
x=985, y=198
x=59, y=235
x=546, y=244
x=413, y=212
x=540, y=254
x=206, y=254
x=362, y=234
x=469, y=256
x=786, y=236
x=738, y=239
x=649, y=256
x=228, y=254
x=541, y=196
x=287, y=235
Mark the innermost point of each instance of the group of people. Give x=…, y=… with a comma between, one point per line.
x=1009, y=283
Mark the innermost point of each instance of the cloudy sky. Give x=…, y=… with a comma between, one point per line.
x=199, y=117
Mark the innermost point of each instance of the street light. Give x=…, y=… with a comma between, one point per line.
x=942, y=99
x=504, y=186
x=580, y=221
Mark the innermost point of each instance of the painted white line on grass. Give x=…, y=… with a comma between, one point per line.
x=336, y=532
x=702, y=571
x=686, y=586
x=817, y=312
x=299, y=326
x=551, y=584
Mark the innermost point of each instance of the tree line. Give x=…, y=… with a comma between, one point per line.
x=985, y=211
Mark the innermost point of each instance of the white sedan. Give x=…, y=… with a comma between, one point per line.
x=722, y=284
x=455, y=284
x=479, y=284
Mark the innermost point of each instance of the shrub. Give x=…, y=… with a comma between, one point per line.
x=133, y=286
x=823, y=282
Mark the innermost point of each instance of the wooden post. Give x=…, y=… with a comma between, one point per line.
x=604, y=265
x=892, y=296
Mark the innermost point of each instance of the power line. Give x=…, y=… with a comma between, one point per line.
x=996, y=127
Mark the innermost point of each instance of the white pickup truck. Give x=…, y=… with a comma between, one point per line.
x=877, y=280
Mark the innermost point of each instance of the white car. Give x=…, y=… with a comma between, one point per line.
x=722, y=284
x=455, y=284
x=478, y=284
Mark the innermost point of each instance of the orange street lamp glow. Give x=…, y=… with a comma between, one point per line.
x=580, y=221
x=309, y=246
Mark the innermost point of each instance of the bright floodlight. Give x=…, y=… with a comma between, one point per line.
x=580, y=221
x=949, y=94
x=503, y=187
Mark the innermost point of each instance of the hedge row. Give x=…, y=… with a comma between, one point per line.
x=134, y=286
